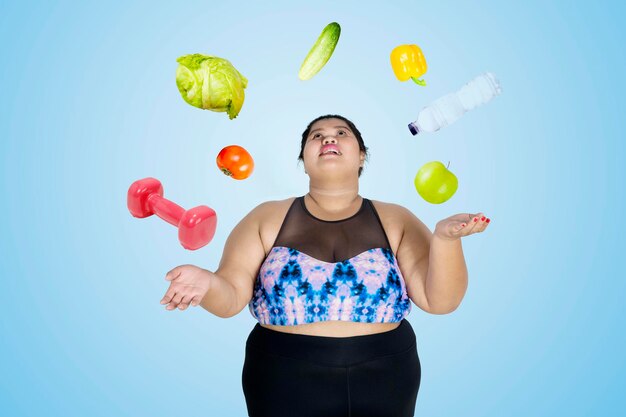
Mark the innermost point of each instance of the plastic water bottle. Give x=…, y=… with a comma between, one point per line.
x=447, y=109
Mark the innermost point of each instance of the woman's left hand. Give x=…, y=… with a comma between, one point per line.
x=459, y=225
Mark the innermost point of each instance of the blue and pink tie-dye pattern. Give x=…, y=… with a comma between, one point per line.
x=294, y=288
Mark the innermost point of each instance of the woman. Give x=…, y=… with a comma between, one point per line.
x=330, y=277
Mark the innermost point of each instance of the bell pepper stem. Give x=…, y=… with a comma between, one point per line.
x=419, y=82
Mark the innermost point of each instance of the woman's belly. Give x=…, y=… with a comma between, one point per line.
x=335, y=328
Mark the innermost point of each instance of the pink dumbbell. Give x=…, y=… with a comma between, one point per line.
x=196, y=227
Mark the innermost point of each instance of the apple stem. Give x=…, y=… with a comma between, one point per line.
x=448, y=165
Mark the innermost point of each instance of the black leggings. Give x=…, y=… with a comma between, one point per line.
x=293, y=375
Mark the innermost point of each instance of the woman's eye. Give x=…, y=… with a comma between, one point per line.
x=341, y=133
x=317, y=135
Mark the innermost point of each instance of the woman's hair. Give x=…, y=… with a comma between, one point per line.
x=352, y=127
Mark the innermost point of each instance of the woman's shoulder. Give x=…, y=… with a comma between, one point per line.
x=274, y=204
x=393, y=218
x=270, y=215
x=272, y=208
x=395, y=215
x=392, y=210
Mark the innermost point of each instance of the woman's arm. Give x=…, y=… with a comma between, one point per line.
x=232, y=283
x=446, y=280
x=433, y=263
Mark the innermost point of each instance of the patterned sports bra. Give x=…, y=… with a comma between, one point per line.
x=320, y=270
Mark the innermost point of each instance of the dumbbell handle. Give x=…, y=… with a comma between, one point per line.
x=166, y=209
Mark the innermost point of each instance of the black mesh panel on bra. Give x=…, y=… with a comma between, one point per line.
x=332, y=241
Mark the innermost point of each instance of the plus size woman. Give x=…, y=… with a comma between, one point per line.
x=331, y=276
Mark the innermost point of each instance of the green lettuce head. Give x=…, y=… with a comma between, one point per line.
x=210, y=83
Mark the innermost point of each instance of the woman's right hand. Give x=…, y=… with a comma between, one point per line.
x=188, y=285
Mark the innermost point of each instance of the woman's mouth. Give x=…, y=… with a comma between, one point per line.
x=330, y=150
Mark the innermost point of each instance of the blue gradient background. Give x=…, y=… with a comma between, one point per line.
x=89, y=104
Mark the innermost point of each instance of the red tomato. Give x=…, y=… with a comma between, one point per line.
x=235, y=162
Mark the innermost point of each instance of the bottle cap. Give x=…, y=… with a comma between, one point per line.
x=413, y=128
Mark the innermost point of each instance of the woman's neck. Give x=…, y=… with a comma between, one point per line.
x=333, y=200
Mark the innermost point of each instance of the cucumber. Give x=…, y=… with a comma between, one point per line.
x=320, y=52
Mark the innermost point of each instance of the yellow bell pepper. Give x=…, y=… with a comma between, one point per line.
x=407, y=61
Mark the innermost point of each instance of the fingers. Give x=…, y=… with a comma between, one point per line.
x=174, y=273
x=478, y=223
x=175, y=299
x=167, y=298
x=196, y=300
x=482, y=223
x=461, y=217
x=171, y=298
x=475, y=223
x=458, y=227
x=187, y=287
x=178, y=298
x=459, y=223
x=184, y=302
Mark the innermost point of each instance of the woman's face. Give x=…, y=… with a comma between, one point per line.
x=331, y=145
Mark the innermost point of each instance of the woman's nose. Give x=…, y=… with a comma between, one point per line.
x=330, y=139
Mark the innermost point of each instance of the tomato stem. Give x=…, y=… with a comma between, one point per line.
x=227, y=172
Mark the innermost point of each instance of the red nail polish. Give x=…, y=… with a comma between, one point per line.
x=482, y=218
x=475, y=219
x=488, y=220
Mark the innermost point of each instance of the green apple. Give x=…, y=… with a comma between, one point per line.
x=435, y=183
